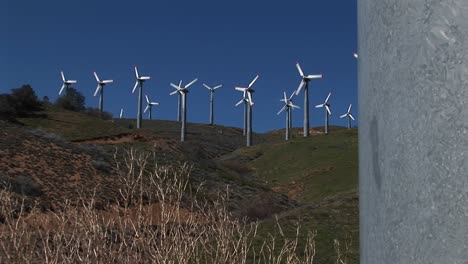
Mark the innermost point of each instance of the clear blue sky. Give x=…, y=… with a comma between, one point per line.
x=219, y=42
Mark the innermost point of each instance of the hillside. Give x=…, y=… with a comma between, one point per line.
x=313, y=179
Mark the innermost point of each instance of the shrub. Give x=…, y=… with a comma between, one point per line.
x=25, y=100
x=73, y=100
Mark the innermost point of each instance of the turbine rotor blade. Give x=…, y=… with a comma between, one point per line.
x=136, y=73
x=180, y=83
x=241, y=89
x=352, y=117
x=207, y=87
x=192, y=82
x=61, y=89
x=281, y=110
x=314, y=76
x=300, y=87
x=342, y=116
x=146, y=109
x=98, y=88
x=63, y=76
x=107, y=81
x=216, y=87
x=240, y=102
x=294, y=106
x=253, y=81
x=70, y=81
x=290, y=97
x=319, y=106
x=154, y=103
x=174, y=92
x=175, y=86
x=134, y=87
x=349, y=108
x=328, y=97
x=328, y=109
x=97, y=78
x=147, y=99
x=285, y=98
x=121, y=112
x=299, y=69
x=250, y=98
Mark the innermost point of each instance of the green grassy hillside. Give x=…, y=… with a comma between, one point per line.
x=312, y=180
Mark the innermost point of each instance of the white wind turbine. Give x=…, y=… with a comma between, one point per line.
x=249, y=92
x=326, y=105
x=244, y=100
x=149, y=106
x=349, y=115
x=66, y=83
x=212, y=90
x=288, y=106
x=100, y=90
x=183, y=93
x=139, y=83
x=305, y=83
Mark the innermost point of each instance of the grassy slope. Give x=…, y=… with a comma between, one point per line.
x=321, y=170
x=73, y=125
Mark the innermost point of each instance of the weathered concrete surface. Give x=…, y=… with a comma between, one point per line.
x=413, y=131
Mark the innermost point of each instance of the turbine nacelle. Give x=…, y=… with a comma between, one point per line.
x=348, y=113
x=139, y=79
x=101, y=84
x=180, y=89
x=305, y=78
x=66, y=82
x=325, y=104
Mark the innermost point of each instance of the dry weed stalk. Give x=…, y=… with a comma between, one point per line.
x=150, y=222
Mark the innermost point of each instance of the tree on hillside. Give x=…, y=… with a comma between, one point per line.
x=73, y=100
x=25, y=100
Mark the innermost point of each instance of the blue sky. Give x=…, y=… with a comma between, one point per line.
x=218, y=42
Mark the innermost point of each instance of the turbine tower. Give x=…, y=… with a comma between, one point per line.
x=288, y=106
x=139, y=83
x=121, y=113
x=326, y=105
x=183, y=93
x=66, y=83
x=244, y=100
x=149, y=106
x=349, y=115
x=100, y=90
x=305, y=83
x=249, y=92
x=212, y=90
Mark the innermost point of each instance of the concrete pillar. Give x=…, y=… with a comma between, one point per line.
x=413, y=131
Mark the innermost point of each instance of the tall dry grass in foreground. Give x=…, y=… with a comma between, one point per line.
x=156, y=219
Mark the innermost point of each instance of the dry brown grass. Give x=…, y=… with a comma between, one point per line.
x=155, y=220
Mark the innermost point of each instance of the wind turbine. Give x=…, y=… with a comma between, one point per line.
x=66, y=83
x=121, y=113
x=183, y=93
x=305, y=82
x=212, y=90
x=149, y=106
x=100, y=90
x=288, y=106
x=349, y=115
x=139, y=83
x=249, y=92
x=327, y=111
x=244, y=100
x=355, y=55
